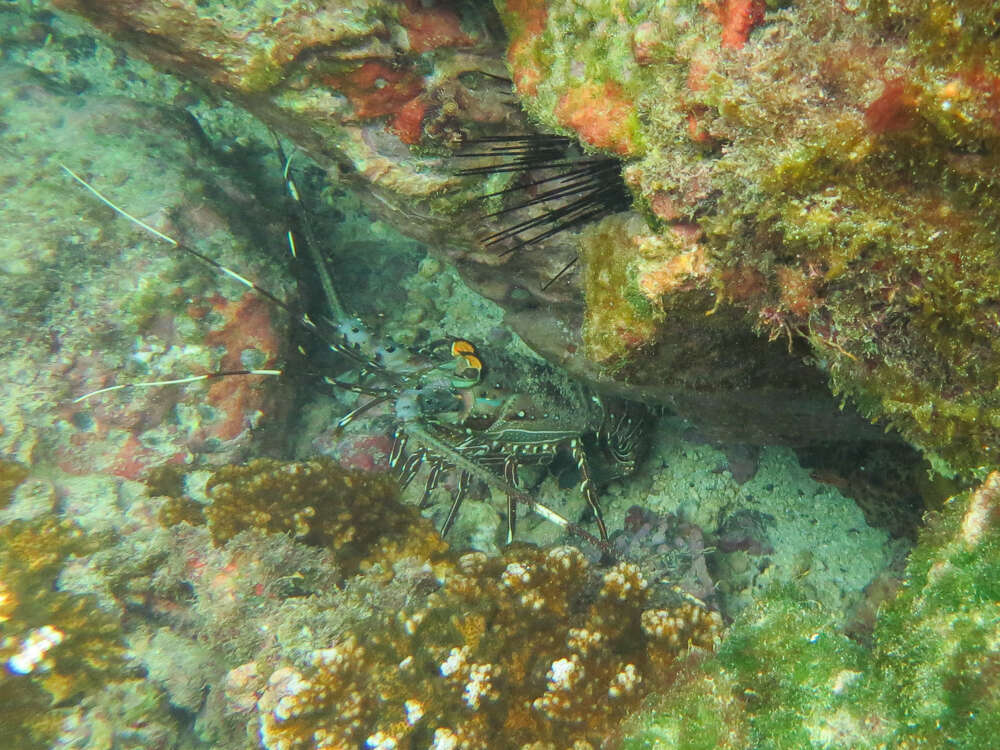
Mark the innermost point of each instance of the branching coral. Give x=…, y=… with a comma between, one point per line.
x=422, y=647
x=355, y=515
x=520, y=651
x=54, y=646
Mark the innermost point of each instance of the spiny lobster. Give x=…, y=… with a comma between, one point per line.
x=481, y=416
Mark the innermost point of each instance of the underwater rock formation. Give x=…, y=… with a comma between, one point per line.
x=298, y=562
x=355, y=85
x=785, y=676
x=824, y=172
x=92, y=301
x=380, y=93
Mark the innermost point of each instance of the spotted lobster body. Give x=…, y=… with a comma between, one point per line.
x=520, y=411
x=478, y=415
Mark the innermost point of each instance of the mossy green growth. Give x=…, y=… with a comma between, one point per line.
x=786, y=677
x=938, y=642
x=842, y=166
x=783, y=678
x=11, y=475
x=874, y=241
x=262, y=73
x=616, y=324
x=581, y=74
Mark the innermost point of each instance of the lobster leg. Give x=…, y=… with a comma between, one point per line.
x=432, y=482
x=385, y=377
x=463, y=487
x=398, y=448
x=510, y=474
x=410, y=467
x=587, y=485
x=467, y=465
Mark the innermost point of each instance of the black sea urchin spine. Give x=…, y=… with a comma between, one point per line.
x=565, y=187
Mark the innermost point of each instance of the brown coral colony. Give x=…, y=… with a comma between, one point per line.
x=535, y=645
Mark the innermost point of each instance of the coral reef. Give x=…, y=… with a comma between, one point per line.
x=354, y=515
x=93, y=301
x=236, y=617
x=786, y=677
x=332, y=614
x=56, y=647
x=822, y=174
x=511, y=652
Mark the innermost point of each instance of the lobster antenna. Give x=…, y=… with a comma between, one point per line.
x=301, y=319
x=336, y=307
x=176, y=381
x=121, y=211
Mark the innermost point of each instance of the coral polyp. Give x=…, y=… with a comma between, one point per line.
x=524, y=650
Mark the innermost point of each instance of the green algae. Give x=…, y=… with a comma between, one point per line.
x=843, y=161
x=262, y=74
x=787, y=677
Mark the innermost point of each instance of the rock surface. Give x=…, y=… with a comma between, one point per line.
x=382, y=91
